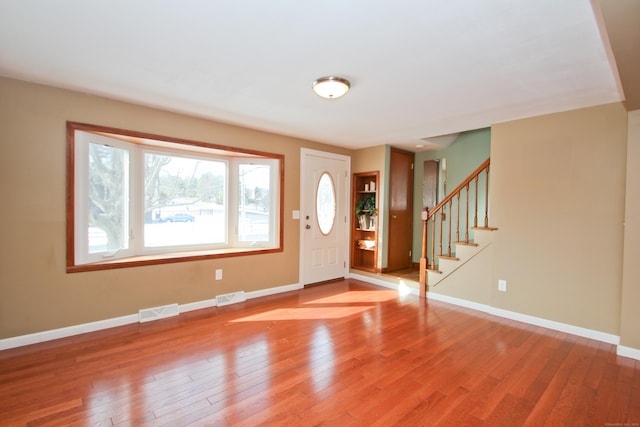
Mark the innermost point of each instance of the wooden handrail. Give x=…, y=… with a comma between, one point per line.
x=462, y=185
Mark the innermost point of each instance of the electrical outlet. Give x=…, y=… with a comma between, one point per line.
x=219, y=274
x=502, y=285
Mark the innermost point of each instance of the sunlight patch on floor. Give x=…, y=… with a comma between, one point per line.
x=404, y=289
x=305, y=313
x=331, y=307
x=357, y=297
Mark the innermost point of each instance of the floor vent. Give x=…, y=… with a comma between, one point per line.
x=232, y=298
x=155, y=313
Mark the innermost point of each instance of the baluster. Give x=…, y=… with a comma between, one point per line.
x=486, y=203
x=433, y=244
x=440, y=239
x=475, y=214
x=466, y=225
x=425, y=219
x=424, y=261
x=458, y=220
x=449, y=241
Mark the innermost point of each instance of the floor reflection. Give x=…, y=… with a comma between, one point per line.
x=333, y=307
x=310, y=313
x=109, y=401
x=322, y=368
x=336, y=354
x=357, y=297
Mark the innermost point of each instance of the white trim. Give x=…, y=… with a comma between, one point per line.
x=53, y=334
x=83, y=328
x=198, y=305
x=273, y=291
x=525, y=318
x=557, y=326
x=68, y=331
x=383, y=283
x=459, y=302
x=633, y=353
x=532, y=320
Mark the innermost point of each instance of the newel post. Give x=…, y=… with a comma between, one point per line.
x=423, y=256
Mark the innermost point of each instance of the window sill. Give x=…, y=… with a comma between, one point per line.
x=142, y=260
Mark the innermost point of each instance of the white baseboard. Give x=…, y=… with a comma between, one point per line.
x=273, y=291
x=532, y=320
x=557, y=326
x=68, y=331
x=198, y=305
x=53, y=334
x=633, y=353
x=384, y=283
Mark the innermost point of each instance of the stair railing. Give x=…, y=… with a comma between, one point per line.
x=442, y=234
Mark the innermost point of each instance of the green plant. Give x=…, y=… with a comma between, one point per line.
x=366, y=205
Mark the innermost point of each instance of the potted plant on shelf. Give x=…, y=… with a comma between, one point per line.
x=365, y=208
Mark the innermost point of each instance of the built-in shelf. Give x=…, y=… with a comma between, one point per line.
x=364, y=240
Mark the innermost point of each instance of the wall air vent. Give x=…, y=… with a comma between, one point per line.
x=155, y=313
x=231, y=298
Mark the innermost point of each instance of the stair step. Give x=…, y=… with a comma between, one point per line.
x=485, y=228
x=452, y=258
x=466, y=243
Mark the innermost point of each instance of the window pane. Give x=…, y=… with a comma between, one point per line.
x=254, y=211
x=108, y=210
x=184, y=201
x=326, y=203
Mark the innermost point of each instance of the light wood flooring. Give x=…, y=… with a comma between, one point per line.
x=411, y=274
x=338, y=354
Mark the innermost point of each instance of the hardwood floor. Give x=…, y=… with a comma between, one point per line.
x=411, y=274
x=337, y=354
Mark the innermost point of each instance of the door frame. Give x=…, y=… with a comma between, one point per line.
x=304, y=152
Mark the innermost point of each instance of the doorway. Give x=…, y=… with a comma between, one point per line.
x=400, y=210
x=324, y=223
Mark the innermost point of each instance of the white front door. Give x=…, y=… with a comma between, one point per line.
x=324, y=235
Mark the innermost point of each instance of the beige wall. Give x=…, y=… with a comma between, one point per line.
x=369, y=160
x=36, y=293
x=558, y=191
x=471, y=282
x=558, y=197
x=630, y=315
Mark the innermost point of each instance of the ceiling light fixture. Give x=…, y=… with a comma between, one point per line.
x=331, y=87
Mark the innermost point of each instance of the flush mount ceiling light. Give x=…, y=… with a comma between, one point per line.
x=331, y=87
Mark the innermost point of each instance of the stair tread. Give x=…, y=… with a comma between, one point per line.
x=452, y=258
x=485, y=228
x=466, y=243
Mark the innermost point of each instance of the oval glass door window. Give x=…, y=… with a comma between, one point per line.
x=326, y=203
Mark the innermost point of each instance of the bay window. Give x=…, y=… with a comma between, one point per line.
x=136, y=199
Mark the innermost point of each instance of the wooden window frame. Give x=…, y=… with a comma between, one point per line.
x=172, y=256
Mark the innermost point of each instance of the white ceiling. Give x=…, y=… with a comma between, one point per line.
x=419, y=69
